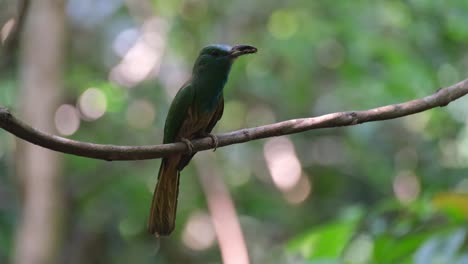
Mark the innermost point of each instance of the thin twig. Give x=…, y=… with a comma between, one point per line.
x=112, y=152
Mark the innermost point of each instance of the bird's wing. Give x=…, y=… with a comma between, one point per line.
x=185, y=159
x=178, y=112
x=216, y=116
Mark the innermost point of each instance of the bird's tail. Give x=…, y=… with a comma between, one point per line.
x=164, y=205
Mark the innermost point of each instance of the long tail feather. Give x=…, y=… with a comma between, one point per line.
x=164, y=205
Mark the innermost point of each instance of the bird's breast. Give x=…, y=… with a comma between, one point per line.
x=208, y=94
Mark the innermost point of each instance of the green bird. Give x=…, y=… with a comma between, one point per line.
x=193, y=113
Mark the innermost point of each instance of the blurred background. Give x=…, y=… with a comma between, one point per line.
x=105, y=72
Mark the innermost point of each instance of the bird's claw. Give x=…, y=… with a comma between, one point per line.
x=214, y=139
x=189, y=145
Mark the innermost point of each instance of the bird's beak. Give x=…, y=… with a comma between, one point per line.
x=240, y=50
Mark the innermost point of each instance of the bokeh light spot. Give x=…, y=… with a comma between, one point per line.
x=6, y=29
x=283, y=24
x=299, y=192
x=199, y=232
x=394, y=14
x=282, y=161
x=92, y=104
x=67, y=119
x=144, y=57
x=125, y=40
x=406, y=187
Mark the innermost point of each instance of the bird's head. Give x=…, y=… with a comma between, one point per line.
x=220, y=56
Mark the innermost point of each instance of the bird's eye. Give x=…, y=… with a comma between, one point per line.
x=215, y=53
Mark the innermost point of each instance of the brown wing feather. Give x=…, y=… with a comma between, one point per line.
x=211, y=123
x=217, y=116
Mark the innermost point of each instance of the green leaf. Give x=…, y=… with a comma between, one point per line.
x=389, y=249
x=326, y=241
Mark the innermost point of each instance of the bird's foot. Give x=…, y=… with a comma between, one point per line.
x=214, y=139
x=189, y=145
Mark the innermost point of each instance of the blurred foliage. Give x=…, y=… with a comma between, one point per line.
x=382, y=192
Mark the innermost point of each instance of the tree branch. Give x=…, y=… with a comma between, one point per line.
x=441, y=98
